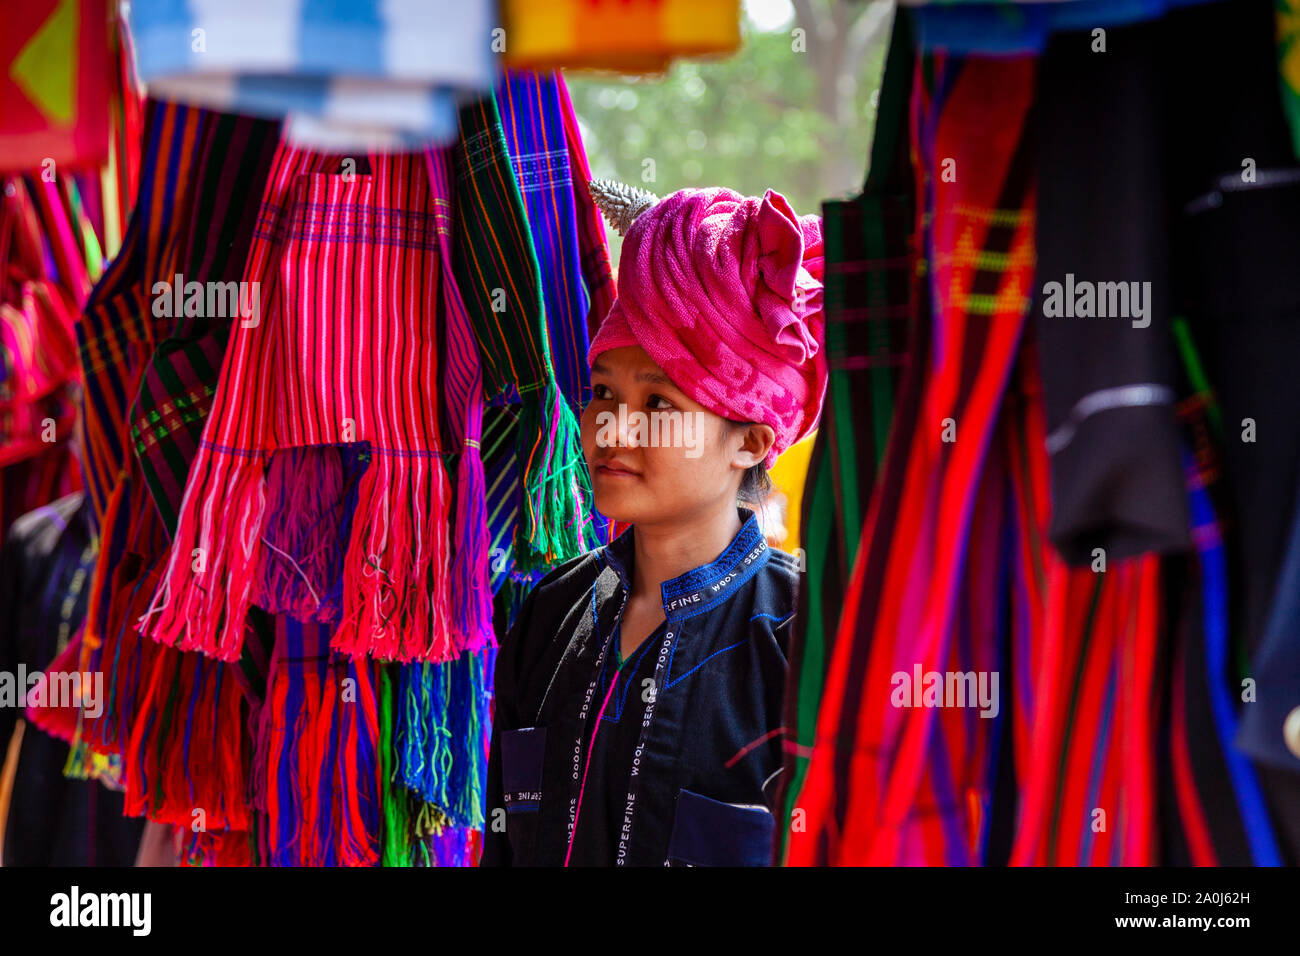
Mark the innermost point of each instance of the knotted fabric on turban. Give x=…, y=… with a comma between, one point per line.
x=724, y=293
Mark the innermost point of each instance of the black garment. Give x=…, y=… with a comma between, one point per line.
x=1168, y=158
x=1102, y=218
x=605, y=796
x=1239, y=275
x=711, y=715
x=52, y=820
x=1239, y=283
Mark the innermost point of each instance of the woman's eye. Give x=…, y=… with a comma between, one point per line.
x=658, y=402
x=600, y=392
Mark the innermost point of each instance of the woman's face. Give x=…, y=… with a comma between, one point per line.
x=656, y=456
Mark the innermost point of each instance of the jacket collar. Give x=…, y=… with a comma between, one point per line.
x=702, y=588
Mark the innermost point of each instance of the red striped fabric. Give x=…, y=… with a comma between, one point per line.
x=886, y=784
x=1088, y=786
x=462, y=398
x=1083, y=681
x=893, y=784
x=344, y=354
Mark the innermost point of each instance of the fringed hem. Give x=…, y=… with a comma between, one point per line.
x=127, y=660
x=275, y=539
x=220, y=849
x=186, y=761
x=440, y=741
x=290, y=805
x=311, y=495
x=348, y=736
x=472, y=596
x=59, y=720
x=204, y=595
x=396, y=593
x=557, y=521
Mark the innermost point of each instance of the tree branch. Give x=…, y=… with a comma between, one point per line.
x=808, y=16
x=874, y=18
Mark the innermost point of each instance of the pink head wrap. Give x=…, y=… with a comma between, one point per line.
x=724, y=293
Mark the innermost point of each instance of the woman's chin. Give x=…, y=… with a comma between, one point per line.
x=617, y=504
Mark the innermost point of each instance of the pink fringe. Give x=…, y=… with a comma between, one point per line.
x=205, y=610
x=396, y=600
x=396, y=593
x=473, y=592
x=301, y=556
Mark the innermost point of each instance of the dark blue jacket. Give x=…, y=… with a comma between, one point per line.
x=705, y=717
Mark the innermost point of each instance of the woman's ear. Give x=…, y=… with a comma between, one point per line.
x=755, y=443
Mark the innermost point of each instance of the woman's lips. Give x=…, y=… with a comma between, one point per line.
x=609, y=470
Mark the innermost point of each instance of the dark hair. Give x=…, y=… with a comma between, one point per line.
x=755, y=483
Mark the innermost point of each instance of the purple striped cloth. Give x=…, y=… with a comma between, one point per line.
x=532, y=117
x=462, y=412
x=533, y=121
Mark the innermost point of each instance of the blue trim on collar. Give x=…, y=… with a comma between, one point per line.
x=708, y=585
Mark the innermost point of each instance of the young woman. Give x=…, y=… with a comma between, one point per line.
x=638, y=695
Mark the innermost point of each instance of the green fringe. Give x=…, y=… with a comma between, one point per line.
x=408, y=819
x=397, y=805
x=556, y=522
x=82, y=763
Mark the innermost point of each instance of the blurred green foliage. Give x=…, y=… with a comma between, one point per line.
x=770, y=115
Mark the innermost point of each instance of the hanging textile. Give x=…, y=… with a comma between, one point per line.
x=596, y=270
x=871, y=307
x=531, y=120
x=1242, y=312
x=38, y=357
x=54, y=55
x=159, y=702
x=1231, y=824
x=879, y=787
x=1086, y=537
x=462, y=417
x=497, y=271
x=39, y=255
x=116, y=334
x=323, y=750
x=118, y=329
x=441, y=735
x=1112, y=435
x=532, y=111
x=323, y=493
x=636, y=36
x=176, y=392
x=363, y=75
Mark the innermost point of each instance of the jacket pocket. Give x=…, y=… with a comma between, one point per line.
x=707, y=832
x=522, y=755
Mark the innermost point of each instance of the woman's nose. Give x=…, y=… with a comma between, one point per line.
x=625, y=432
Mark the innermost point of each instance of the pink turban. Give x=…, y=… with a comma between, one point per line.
x=724, y=293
